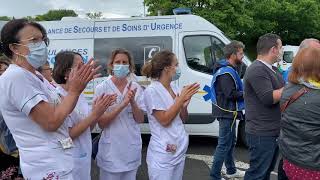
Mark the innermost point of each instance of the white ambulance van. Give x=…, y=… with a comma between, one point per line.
x=197, y=43
x=289, y=52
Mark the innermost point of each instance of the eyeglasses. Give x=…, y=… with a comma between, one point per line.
x=36, y=42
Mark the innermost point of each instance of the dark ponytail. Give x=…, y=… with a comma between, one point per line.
x=1, y=47
x=156, y=65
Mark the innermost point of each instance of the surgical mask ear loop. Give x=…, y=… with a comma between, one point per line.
x=19, y=55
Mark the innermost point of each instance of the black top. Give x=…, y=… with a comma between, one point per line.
x=227, y=95
x=262, y=115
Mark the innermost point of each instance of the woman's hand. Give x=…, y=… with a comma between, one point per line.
x=130, y=95
x=101, y=104
x=186, y=103
x=81, y=75
x=187, y=92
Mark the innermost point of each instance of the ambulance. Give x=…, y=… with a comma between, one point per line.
x=289, y=52
x=197, y=43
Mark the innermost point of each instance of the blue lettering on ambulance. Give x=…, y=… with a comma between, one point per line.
x=154, y=26
x=126, y=27
x=162, y=27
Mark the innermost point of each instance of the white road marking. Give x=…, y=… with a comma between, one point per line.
x=208, y=160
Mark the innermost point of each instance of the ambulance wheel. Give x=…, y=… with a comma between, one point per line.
x=242, y=134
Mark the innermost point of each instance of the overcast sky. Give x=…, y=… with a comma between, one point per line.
x=110, y=8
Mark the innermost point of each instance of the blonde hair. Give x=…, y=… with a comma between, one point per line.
x=306, y=65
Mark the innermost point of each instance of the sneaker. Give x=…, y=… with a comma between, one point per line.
x=238, y=174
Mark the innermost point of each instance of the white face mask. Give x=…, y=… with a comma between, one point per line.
x=121, y=70
x=177, y=74
x=38, y=54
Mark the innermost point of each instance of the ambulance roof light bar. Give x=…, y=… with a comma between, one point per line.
x=179, y=11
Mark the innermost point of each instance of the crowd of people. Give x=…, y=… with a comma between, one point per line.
x=46, y=114
x=277, y=116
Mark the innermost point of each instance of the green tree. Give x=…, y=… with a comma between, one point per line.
x=299, y=19
x=53, y=15
x=5, y=18
x=94, y=15
x=30, y=18
x=231, y=16
x=246, y=20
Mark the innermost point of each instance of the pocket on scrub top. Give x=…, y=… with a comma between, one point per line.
x=104, y=147
x=134, y=153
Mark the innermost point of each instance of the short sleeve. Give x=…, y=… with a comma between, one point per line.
x=140, y=97
x=153, y=100
x=70, y=120
x=175, y=88
x=26, y=94
x=98, y=90
x=80, y=112
x=103, y=88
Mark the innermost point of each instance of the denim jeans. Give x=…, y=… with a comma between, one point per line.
x=263, y=156
x=224, y=150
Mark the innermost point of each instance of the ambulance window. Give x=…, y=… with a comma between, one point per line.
x=217, y=49
x=288, y=56
x=141, y=49
x=202, y=52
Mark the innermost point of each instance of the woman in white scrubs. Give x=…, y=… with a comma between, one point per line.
x=166, y=107
x=119, y=153
x=34, y=114
x=82, y=118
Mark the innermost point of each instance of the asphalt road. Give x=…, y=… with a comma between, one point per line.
x=198, y=162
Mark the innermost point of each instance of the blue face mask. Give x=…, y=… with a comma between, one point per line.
x=177, y=75
x=120, y=70
x=38, y=54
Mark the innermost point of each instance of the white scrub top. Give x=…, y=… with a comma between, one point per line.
x=82, y=144
x=120, y=143
x=41, y=153
x=157, y=97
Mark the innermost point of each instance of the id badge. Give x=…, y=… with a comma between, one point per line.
x=66, y=143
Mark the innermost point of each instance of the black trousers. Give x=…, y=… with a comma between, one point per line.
x=281, y=173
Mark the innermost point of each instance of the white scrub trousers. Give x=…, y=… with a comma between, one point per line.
x=128, y=175
x=176, y=173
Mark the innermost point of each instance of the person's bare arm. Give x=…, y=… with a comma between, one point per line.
x=166, y=117
x=108, y=117
x=138, y=114
x=99, y=107
x=51, y=117
x=184, y=111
